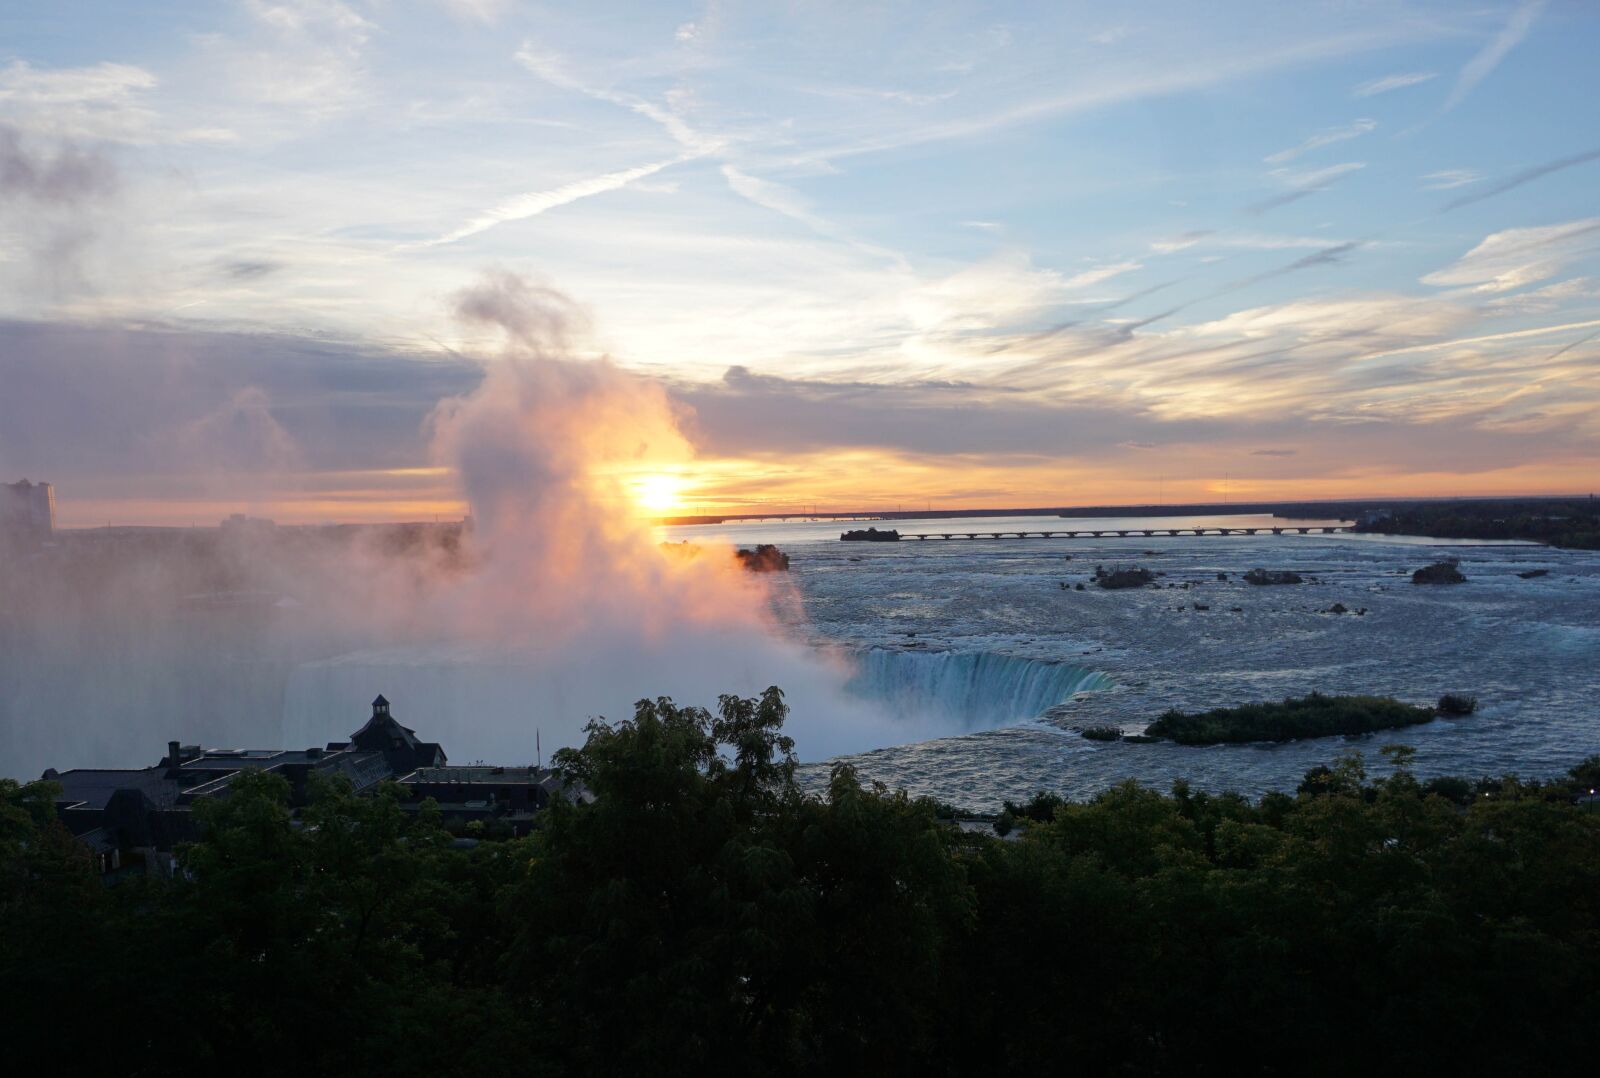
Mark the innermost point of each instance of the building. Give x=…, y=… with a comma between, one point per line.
x=134, y=819
x=508, y=797
x=27, y=512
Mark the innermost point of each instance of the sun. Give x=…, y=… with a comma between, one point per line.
x=660, y=493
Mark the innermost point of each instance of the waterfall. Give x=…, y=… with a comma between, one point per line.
x=971, y=690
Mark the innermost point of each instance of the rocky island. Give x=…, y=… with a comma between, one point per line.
x=1123, y=578
x=1440, y=572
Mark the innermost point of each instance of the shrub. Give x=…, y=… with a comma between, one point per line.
x=1457, y=704
x=1103, y=733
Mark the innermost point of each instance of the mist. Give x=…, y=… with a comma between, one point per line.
x=498, y=637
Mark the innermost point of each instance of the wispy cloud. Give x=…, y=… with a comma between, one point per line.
x=1181, y=242
x=1515, y=257
x=1326, y=137
x=1392, y=82
x=1450, y=178
x=1304, y=182
x=1489, y=57
x=1101, y=93
x=550, y=67
x=788, y=202
x=1098, y=274
x=1525, y=176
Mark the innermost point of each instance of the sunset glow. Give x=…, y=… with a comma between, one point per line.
x=660, y=494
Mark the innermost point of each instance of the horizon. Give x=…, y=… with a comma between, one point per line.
x=257, y=252
x=1246, y=508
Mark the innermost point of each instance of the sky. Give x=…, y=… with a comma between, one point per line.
x=878, y=255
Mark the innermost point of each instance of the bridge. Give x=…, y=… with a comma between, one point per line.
x=1148, y=533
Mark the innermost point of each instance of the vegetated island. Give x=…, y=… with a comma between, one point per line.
x=765, y=558
x=1573, y=523
x=870, y=535
x=1315, y=715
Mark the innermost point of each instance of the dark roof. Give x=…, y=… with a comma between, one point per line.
x=93, y=788
x=478, y=773
x=380, y=701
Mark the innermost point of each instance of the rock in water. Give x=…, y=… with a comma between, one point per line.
x=1124, y=578
x=765, y=558
x=1272, y=576
x=1440, y=572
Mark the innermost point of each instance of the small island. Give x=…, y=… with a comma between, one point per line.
x=1315, y=715
x=765, y=558
x=870, y=535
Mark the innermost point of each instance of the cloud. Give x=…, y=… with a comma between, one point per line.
x=534, y=203
x=1489, y=57
x=249, y=269
x=1099, y=273
x=1449, y=179
x=1525, y=176
x=550, y=67
x=487, y=12
x=1564, y=349
x=304, y=58
x=1304, y=182
x=103, y=412
x=102, y=101
x=1392, y=82
x=1181, y=242
x=1544, y=300
x=1326, y=137
x=1515, y=257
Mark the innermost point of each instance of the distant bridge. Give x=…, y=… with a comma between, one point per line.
x=1149, y=533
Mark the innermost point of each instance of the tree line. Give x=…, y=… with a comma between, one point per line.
x=704, y=915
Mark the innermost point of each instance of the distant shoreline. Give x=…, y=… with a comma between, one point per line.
x=1344, y=509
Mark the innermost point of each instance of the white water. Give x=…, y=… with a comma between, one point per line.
x=971, y=690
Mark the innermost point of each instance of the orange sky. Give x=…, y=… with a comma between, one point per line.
x=851, y=481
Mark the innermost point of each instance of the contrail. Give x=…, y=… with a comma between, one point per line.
x=536, y=202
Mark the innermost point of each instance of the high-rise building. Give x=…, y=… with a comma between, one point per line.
x=27, y=511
